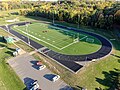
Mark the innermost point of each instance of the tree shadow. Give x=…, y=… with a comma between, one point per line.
x=2, y=45
x=111, y=80
x=115, y=55
x=12, y=49
x=9, y=52
x=67, y=88
x=73, y=34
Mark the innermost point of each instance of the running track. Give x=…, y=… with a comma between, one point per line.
x=67, y=61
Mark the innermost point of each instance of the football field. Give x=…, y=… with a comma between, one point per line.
x=60, y=40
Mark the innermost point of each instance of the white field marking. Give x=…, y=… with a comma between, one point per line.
x=83, y=37
x=72, y=43
x=50, y=36
x=60, y=30
x=45, y=41
x=38, y=39
x=67, y=45
x=56, y=46
x=53, y=41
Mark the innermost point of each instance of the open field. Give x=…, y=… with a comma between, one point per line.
x=60, y=40
x=8, y=79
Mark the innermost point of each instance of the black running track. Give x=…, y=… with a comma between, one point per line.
x=67, y=60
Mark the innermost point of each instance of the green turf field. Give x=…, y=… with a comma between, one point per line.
x=59, y=39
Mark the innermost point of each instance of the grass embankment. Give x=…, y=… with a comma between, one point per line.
x=8, y=79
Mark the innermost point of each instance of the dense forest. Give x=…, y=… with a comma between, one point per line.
x=100, y=14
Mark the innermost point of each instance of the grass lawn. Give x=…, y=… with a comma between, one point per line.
x=60, y=40
x=8, y=79
x=24, y=46
x=97, y=74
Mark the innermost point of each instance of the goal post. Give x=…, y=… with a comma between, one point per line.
x=76, y=40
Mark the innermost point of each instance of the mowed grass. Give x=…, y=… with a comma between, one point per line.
x=60, y=40
x=8, y=79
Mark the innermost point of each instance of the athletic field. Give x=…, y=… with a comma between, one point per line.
x=60, y=40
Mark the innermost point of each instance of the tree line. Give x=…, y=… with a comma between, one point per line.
x=100, y=14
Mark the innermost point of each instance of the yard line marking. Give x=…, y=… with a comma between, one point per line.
x=67, y=45
x=72, y=43
x=38, y=39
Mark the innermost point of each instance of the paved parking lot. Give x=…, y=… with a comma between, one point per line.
x=24, y=66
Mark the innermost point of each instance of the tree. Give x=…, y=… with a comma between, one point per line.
x=5, y=6
x=117, y=16
x=101, y=21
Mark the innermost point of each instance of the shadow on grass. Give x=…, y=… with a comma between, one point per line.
x=12, y=49
x=2, y=45
x=9, y=52
x=67, y=88
x=115, y=55
x=111, y=80
x=25, y=88
x=61, y=31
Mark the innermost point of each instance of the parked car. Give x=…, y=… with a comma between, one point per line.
x=33, y=85
x=55, y=78
x=39, y=63
x=41, y=67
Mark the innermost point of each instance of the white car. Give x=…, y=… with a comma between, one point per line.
x=34, y=85
x=55, y=78
x=41, y=67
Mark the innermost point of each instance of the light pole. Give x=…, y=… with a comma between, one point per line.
x=6, y=25
x=53, y=18
x=78, y=20
x=27, y=33
x=86, y=60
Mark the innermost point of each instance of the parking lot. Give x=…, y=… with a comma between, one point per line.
x=24, y=66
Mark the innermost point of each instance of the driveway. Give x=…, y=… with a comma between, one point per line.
x=24, y=66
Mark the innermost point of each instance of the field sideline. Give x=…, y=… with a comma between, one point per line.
x=59, y=39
